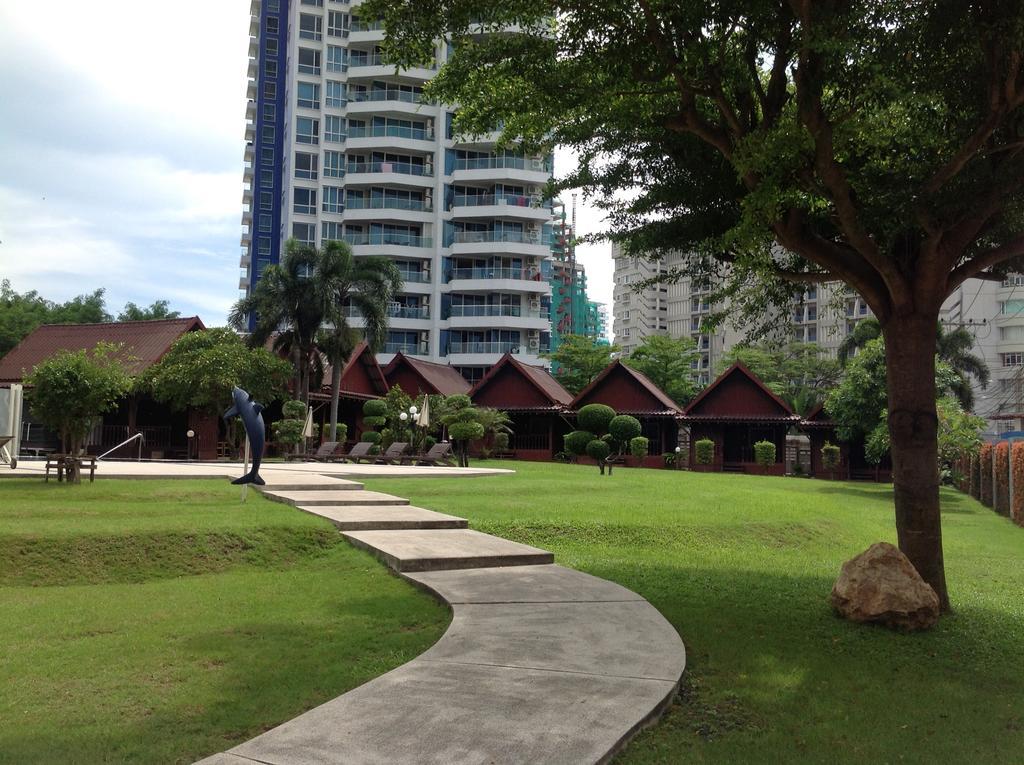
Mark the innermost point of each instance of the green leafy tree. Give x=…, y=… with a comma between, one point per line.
x=668, y=363
x=22, y=313
x=875, y=143
x=801, y=373
x=579, y=359
x=158, y=309
x=201, y=368
x=461, y=418
x=71, y=390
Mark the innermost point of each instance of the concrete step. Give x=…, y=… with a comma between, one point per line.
x=367, y=517
x=319, y=497
x=305, y=482
x=445, y=549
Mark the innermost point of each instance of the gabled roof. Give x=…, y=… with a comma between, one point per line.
x=547, y=392
x=437, y=379
x=738, y=394
x=361, y=377
x=649, y=398
x=143, y=343
x=817, y=418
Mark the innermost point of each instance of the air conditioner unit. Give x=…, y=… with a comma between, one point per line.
x=534, y=343
x=535, y=305
x=534, y=334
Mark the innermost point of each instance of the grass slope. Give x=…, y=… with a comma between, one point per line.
x=742, y=567
x=160, y=621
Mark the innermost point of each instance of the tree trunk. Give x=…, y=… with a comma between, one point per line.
x=913, y=428
x=335, y=395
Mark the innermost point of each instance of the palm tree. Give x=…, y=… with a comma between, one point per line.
x=291, y=302
x=953, y=347
x=366, y=284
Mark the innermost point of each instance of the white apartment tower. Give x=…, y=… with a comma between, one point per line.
x=342, y=146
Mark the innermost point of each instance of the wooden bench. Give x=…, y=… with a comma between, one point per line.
x=61, y=462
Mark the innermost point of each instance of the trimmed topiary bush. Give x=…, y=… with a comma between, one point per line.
x=374, y=421
x=764, y=453
x=342, y=432
x=830, y=457
x=624, y=428
x=371, y=436
x=293, y=410
x=985, y=461
x=595, y=418
x=465, y=431
x=375, y=408
x=704, y=451
x=501, y=442
x=576, y=442
x=598, y=451
x=288, y=431
x=638, y=446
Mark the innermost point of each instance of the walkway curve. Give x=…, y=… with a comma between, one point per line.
x=541, y=664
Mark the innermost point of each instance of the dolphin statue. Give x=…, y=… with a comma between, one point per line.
x=249, y=411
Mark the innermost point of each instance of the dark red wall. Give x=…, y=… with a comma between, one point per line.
x=357, y=380
x=410, y=382
x=622, y=392
x=738, y=395
x=509, y=388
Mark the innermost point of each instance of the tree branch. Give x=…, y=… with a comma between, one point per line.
x=980, y=263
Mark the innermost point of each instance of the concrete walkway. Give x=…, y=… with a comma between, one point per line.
x=541, y=664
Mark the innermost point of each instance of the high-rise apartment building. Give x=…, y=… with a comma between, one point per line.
x=572, y=312
x=342, y=146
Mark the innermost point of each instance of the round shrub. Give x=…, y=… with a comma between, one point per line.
x=638, y=447
x=501, y=441
x=595, y=418
x=576, y=442
x=374, y=421
x=429, y=442
x=375, y=408
x=371, y=436
x=598, y=450
x=704, y=451
x=457, y=401
x=764, y=453
x=288, y=431
x=294, y=410
x=624, y=428
x=830, y=456
x=341, y=434
x=465, y=431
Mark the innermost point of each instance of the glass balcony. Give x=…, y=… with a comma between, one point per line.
x=409, y=349
x=366, y=26
x=407, y=168
x=386, y=94
x=496, y=310
x=386, y=237
x=479, y=200
x=375, y=59
x=487, y=273
x=476, y=237
x=394, y=311
x=505, y=346
x=502, y=163
x=387, y=203
x=393, y=131
x=416, y=277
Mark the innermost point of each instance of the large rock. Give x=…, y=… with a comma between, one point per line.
x=881, y=585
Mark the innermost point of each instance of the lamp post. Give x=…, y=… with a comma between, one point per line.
x=679, y=451
x=190, y=434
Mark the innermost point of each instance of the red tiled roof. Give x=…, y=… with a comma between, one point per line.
x=670, y=406
x=143, y=343
x=539, y=377
x=444, y=379
x=738, y=368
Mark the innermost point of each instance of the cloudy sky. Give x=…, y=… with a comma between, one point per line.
x=121, y=138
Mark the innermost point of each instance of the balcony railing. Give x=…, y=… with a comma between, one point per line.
x=367, y=26
x=407, y=168
x=485, y=347
x=417, y=277
x=387, y=203
x=480, y=200
x=393, y=131
x=503, y=163
x=395, y=312
x=378, y=60
x=409, y=349
x=384, y=237
x=386, y=94
x=476, y=237
x=491, y=273
x=496, y=310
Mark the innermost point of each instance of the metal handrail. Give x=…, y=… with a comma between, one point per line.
x=139, y=436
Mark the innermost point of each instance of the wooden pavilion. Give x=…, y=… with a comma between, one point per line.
x=736, y=411
x=361, y=379
x=534, y=400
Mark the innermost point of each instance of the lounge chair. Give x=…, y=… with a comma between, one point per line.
x=324, y=454
x=394, y=454
x=360, y=451
x=439, y=454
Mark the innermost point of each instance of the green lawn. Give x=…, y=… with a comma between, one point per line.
x=742, y=566
x=161, y=621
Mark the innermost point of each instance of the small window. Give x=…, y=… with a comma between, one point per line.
x=309, y=61
x=266, y=200
x=333, y=197
x=335, y=95
x=266, y=178
x=270, y=69
x=274, y=6
x=334, y=128
x=271, y=46
x=269, y=112
x=314, y=3
x=263, y=247
x=336, y=59
x=307, y=130
x=304, y=232
x=273, y=25
x=266, y=222
x=268, y=134
x=311, y=27
x=308, y=95
x=270, y=90
x=304, y=201
x=267, y=156
x=334, y=164
x=337, y=24
x=332, y=231
x=306, y=165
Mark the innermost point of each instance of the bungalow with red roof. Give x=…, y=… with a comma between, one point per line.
x=628, y=391
x=853, y=462
x=535, y=402
x=417, y=377
x=143, y=343
x=736, y=411
x=361, y=379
